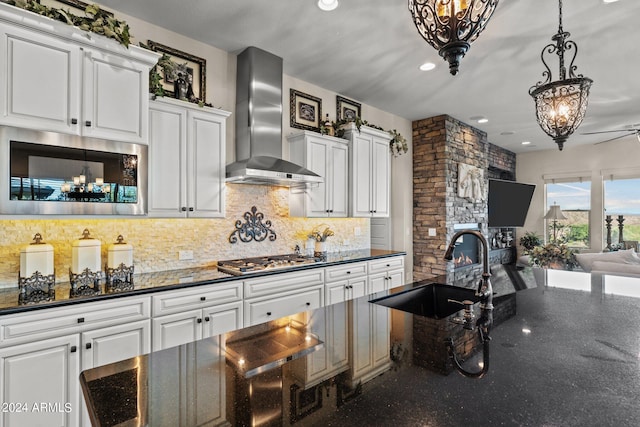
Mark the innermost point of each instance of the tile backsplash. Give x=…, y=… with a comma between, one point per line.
x=156, y=242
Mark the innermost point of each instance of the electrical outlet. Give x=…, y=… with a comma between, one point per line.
x=185, y=255
x=345, y=242
x=432, y=232
x=357, y=231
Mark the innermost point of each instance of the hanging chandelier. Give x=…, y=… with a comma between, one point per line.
x=451, y=25
x=561, y=104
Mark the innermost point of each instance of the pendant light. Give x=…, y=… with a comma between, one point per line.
x=561, y=104
x=451, y=25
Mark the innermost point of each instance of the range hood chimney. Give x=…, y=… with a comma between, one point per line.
x=259, y=125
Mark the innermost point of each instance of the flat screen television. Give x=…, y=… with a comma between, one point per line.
x=509, y=202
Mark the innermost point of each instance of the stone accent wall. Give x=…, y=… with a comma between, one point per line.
x=156, y=241
x=439, y=144
x=502, y=163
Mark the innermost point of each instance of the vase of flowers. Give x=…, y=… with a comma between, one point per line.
x=320, y=238
x=555, y=255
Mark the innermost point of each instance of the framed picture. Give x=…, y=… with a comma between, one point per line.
x=346, y=109
x=305, y=111
x=192, y=68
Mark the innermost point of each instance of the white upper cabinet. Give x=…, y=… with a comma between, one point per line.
x=370, y=172
x=328, y=157
x=61, y=79
x=186, y=160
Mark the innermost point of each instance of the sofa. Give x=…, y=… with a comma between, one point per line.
x=623, y=263
x=620, y=263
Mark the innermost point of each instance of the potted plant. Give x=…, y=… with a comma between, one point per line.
x=556, y=255
x=529, y=241
x=320, y=238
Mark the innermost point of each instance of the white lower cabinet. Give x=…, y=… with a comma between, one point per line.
x=185, y=327
x=40, y=383
x=44, y=371
x=370, y=342
x=330, y=326
x=200, y=398
x=386, y=274
x=345, y=282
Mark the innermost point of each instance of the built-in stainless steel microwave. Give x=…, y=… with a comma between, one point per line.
x=46, y=173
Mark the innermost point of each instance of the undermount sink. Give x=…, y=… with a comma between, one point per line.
x=431, y=300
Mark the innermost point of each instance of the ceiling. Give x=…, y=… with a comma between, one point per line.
x=370, y=51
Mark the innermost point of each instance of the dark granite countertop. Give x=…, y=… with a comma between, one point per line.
x=564, y=359
x=175, y=279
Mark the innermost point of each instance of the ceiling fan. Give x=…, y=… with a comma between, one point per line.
x=629, y=131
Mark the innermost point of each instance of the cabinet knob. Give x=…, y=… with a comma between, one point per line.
x=308, y=304
x=190, y=209
x=388, y=265
x=268, y=313
x=183, y=209
x=73, y=349
x=203, y=298
x=348, y=272
x=206, y=319
x=80, y=319
x=88, y=346
x=88, y=123
x=199, y=320
x=74, y=121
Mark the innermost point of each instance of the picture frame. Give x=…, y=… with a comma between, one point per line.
x=195, y=67
x=305, y=110
x=347, y=109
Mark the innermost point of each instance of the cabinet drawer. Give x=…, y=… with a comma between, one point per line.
x=386, y=264
x=269, y=285
x=282, y=305
x=199, y=297
x=346, y=271
x=72, y=319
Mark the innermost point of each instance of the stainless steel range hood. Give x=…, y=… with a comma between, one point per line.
x=259, y=125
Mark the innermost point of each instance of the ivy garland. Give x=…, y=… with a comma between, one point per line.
x=96, y=20
x=398, y=143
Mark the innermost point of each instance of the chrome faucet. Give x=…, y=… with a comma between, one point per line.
x=485, y=294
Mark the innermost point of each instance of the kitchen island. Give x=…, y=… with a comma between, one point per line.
x=569, y=354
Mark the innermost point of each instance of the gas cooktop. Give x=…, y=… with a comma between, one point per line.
x=238, y=267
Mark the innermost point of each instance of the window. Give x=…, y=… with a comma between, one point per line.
x=574, y=198
x=622, y=198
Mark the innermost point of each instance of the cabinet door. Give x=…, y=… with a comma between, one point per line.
x=317, y=161
x=381, y=332
x=222, y=318
x=41, y=372
x=396, y=278
x=380, y=177
x=176, y=329
x=339, y=178
x=115, y=99
x=115, y=343
x=39, y=81
x=167, y=161
x=358, y=287
x=206, y=165
x=282, y=305
x=361, y=197
x=378, y=282
x=336, y=292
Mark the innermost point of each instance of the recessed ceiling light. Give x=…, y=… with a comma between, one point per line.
x=508, y=132
x=526, y=142
x=479, y=119
x=327, y=4
x=609, y=1
x=427, y=66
